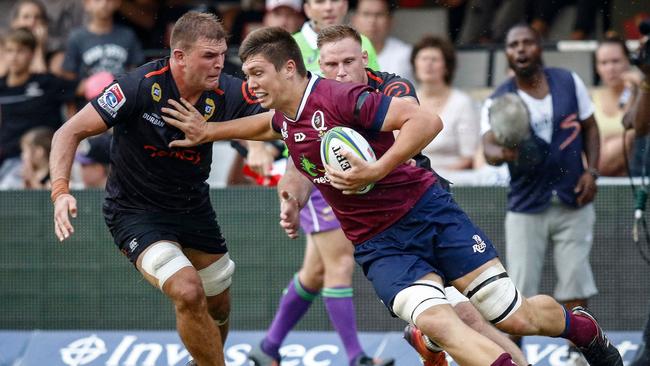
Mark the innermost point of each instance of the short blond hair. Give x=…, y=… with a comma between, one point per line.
x=194, y=25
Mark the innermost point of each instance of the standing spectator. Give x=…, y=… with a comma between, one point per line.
x=320, y=14
x=31, y=14
x=27, y=100
x=374, y=18
x=93, y=156
x=100, y=45
x=286, y=14
x=551, y=190
x=434, y=62
x=610, y=103
x=35, y=146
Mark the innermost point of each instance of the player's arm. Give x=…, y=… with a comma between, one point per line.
x=417, y=128
x=64, y=146
x=197, y=130
x=586, y=186
x=294, y=190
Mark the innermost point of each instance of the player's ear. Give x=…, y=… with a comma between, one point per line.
x=289, y=68
x=179, y=56
x=364, y=58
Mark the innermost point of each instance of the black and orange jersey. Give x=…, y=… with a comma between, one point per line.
x=390, y=84
x=147, y=175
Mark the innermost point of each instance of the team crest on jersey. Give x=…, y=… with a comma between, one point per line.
x=209, y=108
x=156, y=92
x=318, y=122
x=112, y=100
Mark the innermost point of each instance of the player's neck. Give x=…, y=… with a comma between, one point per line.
x=184, y=89
x=297, y=91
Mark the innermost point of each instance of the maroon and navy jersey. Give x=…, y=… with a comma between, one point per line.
x=327, y=104
x=147, y=175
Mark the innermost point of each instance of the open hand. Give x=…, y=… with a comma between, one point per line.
x=187, y=119
x=65, y=204
x=289, y=214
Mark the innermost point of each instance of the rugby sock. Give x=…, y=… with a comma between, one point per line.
x=504, y=360
x=340, y=309
x=293, y=305
x=579, y=329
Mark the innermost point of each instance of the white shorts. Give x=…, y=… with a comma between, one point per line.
x=571, y=233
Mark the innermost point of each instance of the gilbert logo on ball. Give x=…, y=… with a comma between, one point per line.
x=339, y=139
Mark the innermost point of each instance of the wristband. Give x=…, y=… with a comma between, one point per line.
x=59, y=187
x=594, y=173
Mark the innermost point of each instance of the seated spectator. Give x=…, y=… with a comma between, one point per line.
x=374, y=19
x=31, y=14
x=610, y=102
x=35, y=148
x=27, y=100
x=434, y=61
x=93, y=157
x=100, y=46
x=286, y=14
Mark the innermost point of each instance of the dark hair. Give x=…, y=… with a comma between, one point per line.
x=391, y=5
x=194, y=25
x=447, y=49
x=16, y=8
x=274, y=44
x=537, y=36
x=614, y=38
x=39, y=137
x=335, y=33
x=21, y=36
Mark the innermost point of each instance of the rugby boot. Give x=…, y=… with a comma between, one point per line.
x=260, y=358
x=430, y=354
x=600, y=351
x=364, y=360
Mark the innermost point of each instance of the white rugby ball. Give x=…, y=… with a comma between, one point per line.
x=344, y=138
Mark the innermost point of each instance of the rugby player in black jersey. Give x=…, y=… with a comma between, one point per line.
x=157, y=206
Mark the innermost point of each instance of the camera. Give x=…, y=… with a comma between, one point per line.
x=642, y=58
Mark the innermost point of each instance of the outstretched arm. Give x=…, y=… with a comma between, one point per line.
x=64, y=146
x=294, y=190
x=197, y=130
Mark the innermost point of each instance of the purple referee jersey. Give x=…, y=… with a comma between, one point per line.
x=327, y=104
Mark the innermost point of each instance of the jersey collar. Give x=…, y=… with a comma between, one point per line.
x=313, y=81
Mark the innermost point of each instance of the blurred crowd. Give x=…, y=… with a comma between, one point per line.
x=58, y=54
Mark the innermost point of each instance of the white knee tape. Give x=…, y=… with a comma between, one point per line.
x=162, y=260
x=415, y=299
x=217, y=277
x=454, y=296
x=494, y=294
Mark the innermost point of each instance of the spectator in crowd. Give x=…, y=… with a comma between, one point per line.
x=286, y=14
x=434, y=61
x=31, y=14
x=487, y=21
x=35, y=148
x=100, y=46
x=610, y=102
x=140, y=16
x=551, y=189
x=545, y=12
x=27, y=100
x=63, y=17
x=93, y=156
x=374, y=18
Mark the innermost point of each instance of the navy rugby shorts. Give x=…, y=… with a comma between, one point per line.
x=134, y=232
x=434, y=236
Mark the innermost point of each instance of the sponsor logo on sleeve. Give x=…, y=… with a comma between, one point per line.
x=112, y=100
x=156, y=92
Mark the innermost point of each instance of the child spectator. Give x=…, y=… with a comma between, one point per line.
x=36, y=145
x=93, y=156
x=27, y=100
x=100, y=45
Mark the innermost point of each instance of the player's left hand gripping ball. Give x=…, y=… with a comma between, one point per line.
x=344, y=150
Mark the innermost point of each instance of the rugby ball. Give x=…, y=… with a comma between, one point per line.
x=339, y=139
x=509, y=120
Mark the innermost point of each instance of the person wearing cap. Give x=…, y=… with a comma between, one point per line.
x=286, y=14
x=93, y=157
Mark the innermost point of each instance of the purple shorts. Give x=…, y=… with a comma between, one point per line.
x=317, y=215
